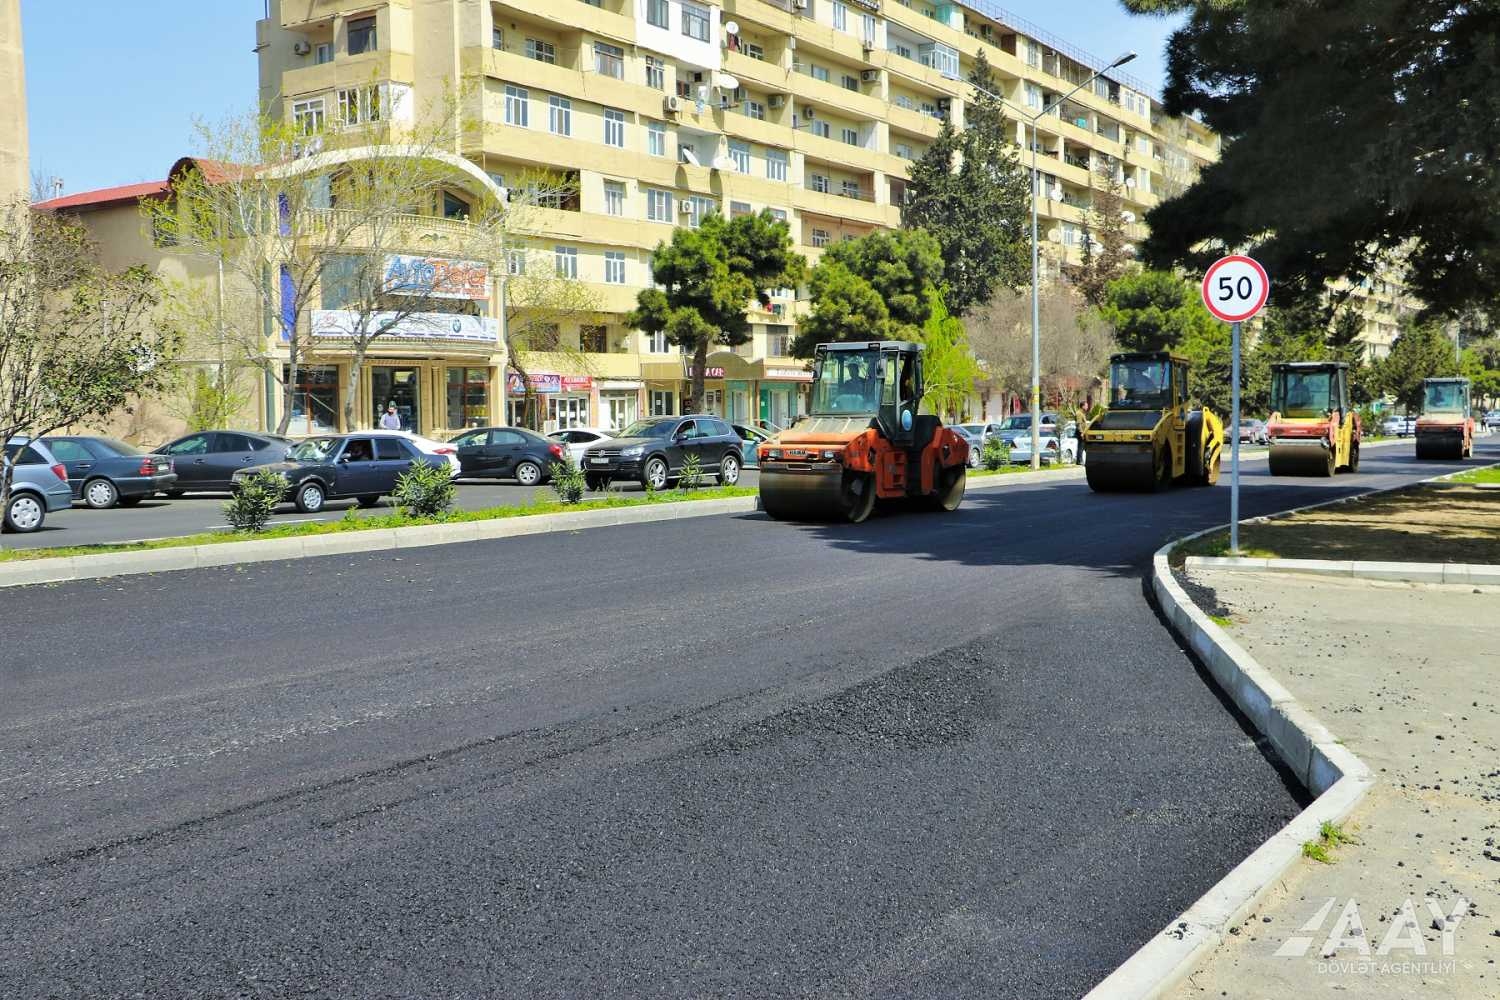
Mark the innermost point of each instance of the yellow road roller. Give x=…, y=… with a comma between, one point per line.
x=1148, y=438
x=1313, y=430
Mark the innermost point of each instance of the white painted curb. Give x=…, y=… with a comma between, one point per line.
x=1406, y=572
x=65, y=569
x=1323, y=765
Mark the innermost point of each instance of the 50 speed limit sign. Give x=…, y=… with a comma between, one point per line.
x=1235, y=288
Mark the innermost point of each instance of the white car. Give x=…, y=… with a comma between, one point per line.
x=1020, y=452
x=577, y=440
x=427, y=446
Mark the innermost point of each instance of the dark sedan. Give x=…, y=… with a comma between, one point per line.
x=207, y=461
x=104, y=472
x=335, y=467
x=507, y=453
x=652, y=452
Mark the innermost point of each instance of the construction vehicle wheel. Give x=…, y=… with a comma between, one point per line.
x=1098, y=481
x=1161, y=475
x=1331, y=464
x=951, y=484
x=857, y=498
x=1353, y=465
x=1421, y=452
x=1210, y=475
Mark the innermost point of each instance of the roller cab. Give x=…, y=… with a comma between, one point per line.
x=1446, y=427
x=1313, y=429
x=864, y=441
x=1149, y=437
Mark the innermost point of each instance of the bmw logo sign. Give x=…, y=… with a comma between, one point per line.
x=906, y=420
x=458, y=326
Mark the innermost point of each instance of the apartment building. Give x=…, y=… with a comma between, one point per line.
x=15, y=169
x=664, y=110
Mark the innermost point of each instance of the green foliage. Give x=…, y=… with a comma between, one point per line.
x=871, y=288
x=1105, y=225
x=949, y=367
x=1383, y=111
x=996, y=454
x=706, y=277
x=1156, y=310
x=1422, y=351
x=213, y=396
x=567, y=480
x=425, y=490
x=255, y=500
x=691, y=476
x=970, y=191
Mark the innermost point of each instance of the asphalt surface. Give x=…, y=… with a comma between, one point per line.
x=160, y=517
x=927, y=756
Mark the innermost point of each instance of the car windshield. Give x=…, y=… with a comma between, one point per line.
x=974, y=429
x=1443, y=397
x=1301, y=394
x=1016, y=423
x=649, y=428
x=847, y=383
x=1140, y=385
x=314, y=449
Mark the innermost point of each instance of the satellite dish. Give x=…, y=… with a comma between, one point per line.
x=733, y=27
x=727, y=82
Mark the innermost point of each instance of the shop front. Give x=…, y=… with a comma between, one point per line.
x=564, y=400
x=784, y=395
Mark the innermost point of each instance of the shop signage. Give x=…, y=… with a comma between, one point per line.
x=789, y=374
x=577, y=383
x=549, y=383
x=341, y=324
x=687, y=372
x=436, y=277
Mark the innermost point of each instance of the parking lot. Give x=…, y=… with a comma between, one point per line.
x=197, y=512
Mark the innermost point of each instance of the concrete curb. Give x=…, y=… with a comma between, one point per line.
x=66, y=569
x=1323, y=765
x=1406, y=572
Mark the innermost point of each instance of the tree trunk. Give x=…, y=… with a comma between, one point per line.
x=356, y=364
x=289, y=387
x=528, y=393
x=694, y=402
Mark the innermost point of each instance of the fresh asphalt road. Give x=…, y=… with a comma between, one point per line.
x=927, y=756
x=199, y=512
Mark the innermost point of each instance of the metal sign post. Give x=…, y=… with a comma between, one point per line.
x=1234, y=289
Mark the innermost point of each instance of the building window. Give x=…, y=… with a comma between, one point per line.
x=819, y=183
x=754, y=109
x=850, y=136
x=614, y=128
x=776, y=161
x=849, y=82
x=820, y=237
x=322, y=53
x=699, y=209
x=818, y=72
x=359, y=105
x=468, y=397
x=867, y=30
x=663, y=402
x=779, y=214
x=656, y=73
x=739, y=208
x=614, y=198
x=851, y=189
x=695, y=20
x=822, y=128
x=656, y=139
x=609, y=60
x=515, y=262
x=739, y=155
x=315, y=399
x=752, y=51
x=903, y=150
x=614, y=267
x=658, y=205
x=942, y=58
x=565, y=259
x=902, y=101
x=541, y=51
x=497, y=39
x=559, y=116
x=656, y=343
x=658, y=13
x=593, y=339
x=308, y=116
x=840, y=16
x=362, y=36
x=778, y=341
x=517, y=107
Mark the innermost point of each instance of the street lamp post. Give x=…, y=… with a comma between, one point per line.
x=1036, y=301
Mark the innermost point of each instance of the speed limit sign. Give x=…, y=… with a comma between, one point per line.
x=1235, y=288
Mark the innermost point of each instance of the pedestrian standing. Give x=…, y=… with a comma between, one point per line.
x=391, y=420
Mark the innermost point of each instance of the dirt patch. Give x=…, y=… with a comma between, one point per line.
x=1441, y=522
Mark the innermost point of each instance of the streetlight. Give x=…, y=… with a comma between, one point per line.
x=1036, y=308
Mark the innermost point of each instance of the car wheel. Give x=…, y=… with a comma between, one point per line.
x=173, y=494
x=654, y=476
x=729, y=469
x=25, y=513
x=528, y=474
x=100, y=494
x=369, y=501
x=310, y=498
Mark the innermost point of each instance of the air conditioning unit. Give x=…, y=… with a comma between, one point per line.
x=777, y=101
x=799, y=4
x=809, y=112
x=870, y=75
x=670, y=105
x=684, y=207
x=302, y=48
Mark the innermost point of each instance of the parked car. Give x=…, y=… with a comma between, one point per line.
x=1018, y=426
x=575, y=440
x=1253, y=431
x=751, y=439
x=973, y=439
x=104, y=472
x=507, y=453
x=983, y=431
x=428, y=446
x=38, y=486
x=336, y=466
x=1051, y=444
x=1394, y=426
x=652, y=451
x=207, y=461
x=1492, y=419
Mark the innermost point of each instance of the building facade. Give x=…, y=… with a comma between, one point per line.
x=15, y=168
x=660, y=111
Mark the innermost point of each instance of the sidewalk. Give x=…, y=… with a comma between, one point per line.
x=1408, y=677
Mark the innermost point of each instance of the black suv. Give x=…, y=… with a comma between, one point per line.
x=652, y=452
x=363, y=466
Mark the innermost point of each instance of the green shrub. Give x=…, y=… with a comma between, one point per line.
x=996, y=453
x=424, y=490
x=568, y=481
x=691, y=476
x=254, y=501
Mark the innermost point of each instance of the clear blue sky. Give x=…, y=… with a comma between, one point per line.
x=115, y=104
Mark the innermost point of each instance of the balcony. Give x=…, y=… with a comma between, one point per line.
x=860, y=208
